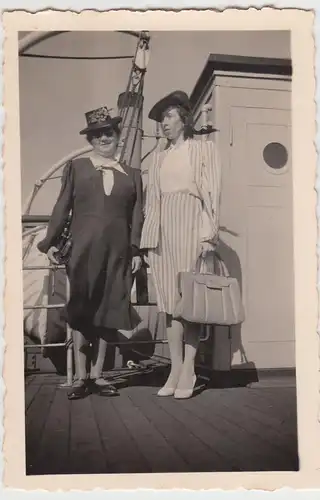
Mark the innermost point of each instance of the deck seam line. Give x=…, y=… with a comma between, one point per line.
x=100, y=435
x=159, y=431
x=42, y=427
x=188, y=430
x=249, y=431
x=245, y=430
x=196, y=437
x=132, y=437
x=32, y=399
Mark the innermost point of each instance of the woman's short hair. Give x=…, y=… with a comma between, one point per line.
x=91, y=135
x=187, y=120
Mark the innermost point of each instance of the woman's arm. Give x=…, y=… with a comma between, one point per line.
x=211, y=185
x=137, y=214
x=60, y=211
x=147, y=205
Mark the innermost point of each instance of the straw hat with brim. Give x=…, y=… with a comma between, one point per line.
x=176, y=98
x=98, y=119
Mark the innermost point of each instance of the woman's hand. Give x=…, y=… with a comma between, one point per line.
x=206, y=248
x=51, y=257
x=136, y=264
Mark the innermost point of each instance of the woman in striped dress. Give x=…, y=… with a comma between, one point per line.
x=180, y=227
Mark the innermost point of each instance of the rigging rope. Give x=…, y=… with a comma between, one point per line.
x=135, y=89
x=34, y=37
x=81, y=58
x=134, y=86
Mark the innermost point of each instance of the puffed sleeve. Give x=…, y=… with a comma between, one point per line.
x=60, y=211
x=137, y=213
x=211, y=184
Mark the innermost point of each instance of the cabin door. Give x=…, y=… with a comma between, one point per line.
x=259, y=194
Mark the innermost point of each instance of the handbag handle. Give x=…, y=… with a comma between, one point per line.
x=223, y=268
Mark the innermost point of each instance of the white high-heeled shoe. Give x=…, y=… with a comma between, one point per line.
x=166, y=391
x=185, y=393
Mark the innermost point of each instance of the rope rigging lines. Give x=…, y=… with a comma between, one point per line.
x=132, y=95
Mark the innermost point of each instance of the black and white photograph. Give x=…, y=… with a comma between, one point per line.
x=157, y=251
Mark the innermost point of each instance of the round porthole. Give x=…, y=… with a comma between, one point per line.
x=275, y=155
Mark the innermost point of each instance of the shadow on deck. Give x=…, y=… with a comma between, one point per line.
x=220, y=429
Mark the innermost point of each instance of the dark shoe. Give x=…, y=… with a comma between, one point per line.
x=108, y=391
x=79, y=392
x=103, y=389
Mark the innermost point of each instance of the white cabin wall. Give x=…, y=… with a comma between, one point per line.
x=250, y=343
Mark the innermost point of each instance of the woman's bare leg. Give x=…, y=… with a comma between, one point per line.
x=192, y=337
x=175, y=342
x=99, y=349
x=81, y=350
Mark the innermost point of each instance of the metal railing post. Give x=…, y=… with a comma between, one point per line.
x=70, y=345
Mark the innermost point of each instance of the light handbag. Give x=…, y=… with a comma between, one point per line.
x=208, y=298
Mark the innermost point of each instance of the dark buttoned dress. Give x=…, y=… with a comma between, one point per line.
x=106, y=233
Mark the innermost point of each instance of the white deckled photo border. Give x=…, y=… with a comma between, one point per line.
x=300, y=23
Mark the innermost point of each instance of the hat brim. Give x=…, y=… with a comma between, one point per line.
x=100, y=126
x=205, y=130
x=160, y=107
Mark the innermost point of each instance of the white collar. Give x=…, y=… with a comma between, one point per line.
x=101, y=162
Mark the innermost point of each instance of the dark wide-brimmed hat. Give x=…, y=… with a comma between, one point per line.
x=100, y=118
x=175, y=98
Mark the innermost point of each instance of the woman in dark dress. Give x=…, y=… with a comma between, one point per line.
x=105, y=199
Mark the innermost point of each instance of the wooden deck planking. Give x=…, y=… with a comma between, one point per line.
x=239, y=412
x=120, y=448
x=86, y=454
x=35, y=423
x=271, y=433
x=278, y=404
x=224, y=454
x=276, y=401
x=202, y=458
x=31, y=390
x=261, y=409
x=159, y=454
x=239, y=451
x=261, y=415
x=53, y=449
x=261, y=453
x=272, y=441
x=234, y=429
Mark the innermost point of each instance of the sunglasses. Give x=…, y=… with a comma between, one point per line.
x=108, y=132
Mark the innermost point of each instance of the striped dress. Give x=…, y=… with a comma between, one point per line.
x=183, y=225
